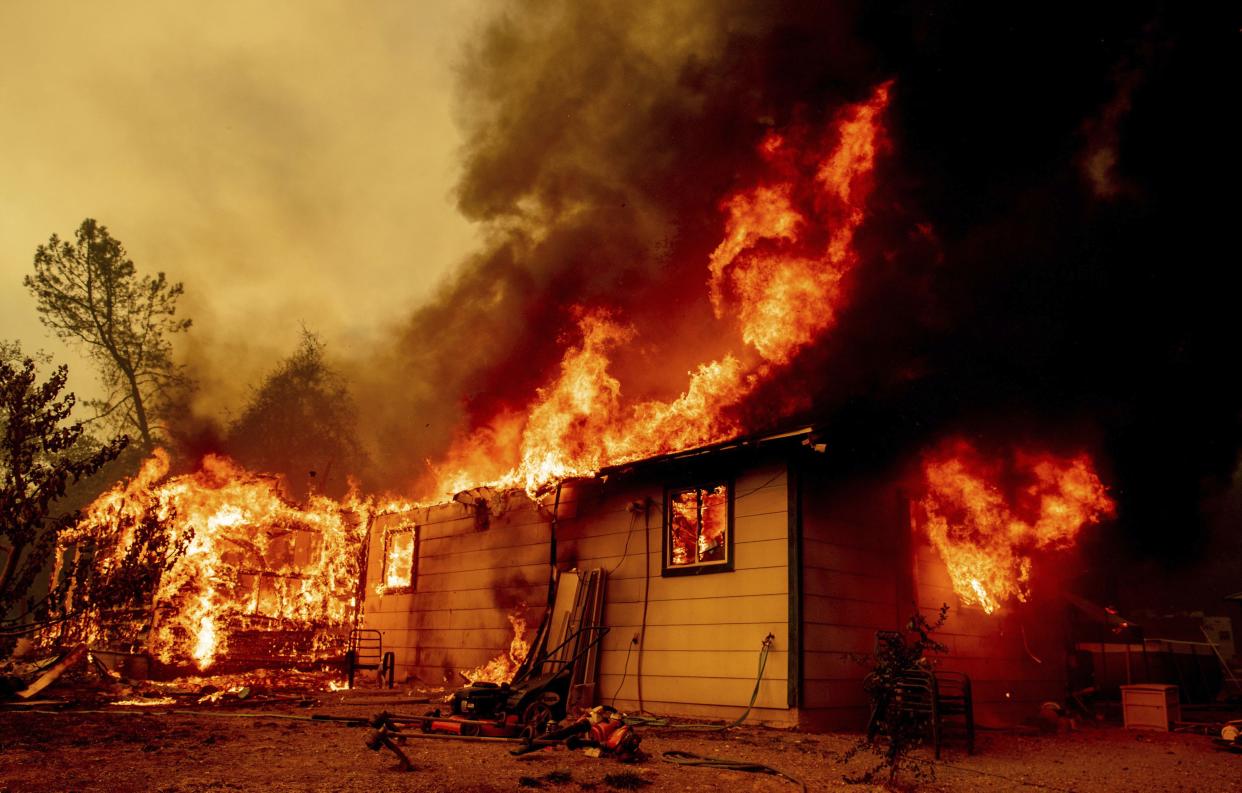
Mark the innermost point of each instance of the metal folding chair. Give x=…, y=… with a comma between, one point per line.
x=366, y=651
x=932, y=697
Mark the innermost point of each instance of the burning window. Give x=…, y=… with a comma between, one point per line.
x=698, y=522
x=400, y=554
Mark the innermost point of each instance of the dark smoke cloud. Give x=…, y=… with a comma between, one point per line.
x=600, y=139
x=1046, y=310
x=1002, y=293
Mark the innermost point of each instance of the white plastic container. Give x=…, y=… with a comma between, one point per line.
x=1150, y=706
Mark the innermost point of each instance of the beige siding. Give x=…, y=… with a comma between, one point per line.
x=457, y=616
x=850, y=568
x=703, y=633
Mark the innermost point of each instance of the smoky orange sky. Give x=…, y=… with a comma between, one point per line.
x=291, y=162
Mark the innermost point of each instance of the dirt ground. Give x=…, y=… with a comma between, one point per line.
x=276, y=748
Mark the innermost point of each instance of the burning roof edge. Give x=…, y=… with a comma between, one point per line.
x=751, y=441
x=737, y=444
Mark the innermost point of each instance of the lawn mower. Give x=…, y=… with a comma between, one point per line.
x=522, y=708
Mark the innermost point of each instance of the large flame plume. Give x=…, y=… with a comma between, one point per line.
x=249, y=559
x=788, y=244
x=985, y=531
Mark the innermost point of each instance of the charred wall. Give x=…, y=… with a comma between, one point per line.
x=467, y=582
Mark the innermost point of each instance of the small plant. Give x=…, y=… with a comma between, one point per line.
x=897, y=655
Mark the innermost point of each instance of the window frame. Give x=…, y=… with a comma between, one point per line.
x=667, y=568
x=389, y=534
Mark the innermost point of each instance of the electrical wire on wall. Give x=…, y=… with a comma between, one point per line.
x=624, y=671
x=765, y=648
x=635, y=508
x=642, y=628
x=629, y=533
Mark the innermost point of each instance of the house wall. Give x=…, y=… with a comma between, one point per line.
x=852, y=582
x=1016, y=657
x=700, y=647
x=864, y=570
x=466, y=584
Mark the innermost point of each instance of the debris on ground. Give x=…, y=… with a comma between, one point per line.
x=602, y=731
x=293, y=732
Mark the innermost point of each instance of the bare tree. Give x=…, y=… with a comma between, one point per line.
x=90, y=293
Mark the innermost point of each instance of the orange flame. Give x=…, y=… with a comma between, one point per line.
x=985, y=538
x=400, y=562
x=783, y=292
x=787, y=246
x=503, y=667
x=252, y=559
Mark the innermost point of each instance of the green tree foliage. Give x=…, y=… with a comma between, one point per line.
x=40, y=457
x=301, y=419
x=90, y=293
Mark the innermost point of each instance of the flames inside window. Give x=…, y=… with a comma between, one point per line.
x=698, y=527
x=399, y=552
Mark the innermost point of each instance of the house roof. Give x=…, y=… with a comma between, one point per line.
x=751, y=441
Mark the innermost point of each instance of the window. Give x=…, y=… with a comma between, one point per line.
x=698, y=529
x=400, y=556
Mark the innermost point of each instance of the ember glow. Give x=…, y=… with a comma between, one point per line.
x=699, y=519
x=143, y=703
x=778, y=272
x=251, y=562
x=503, y=667
x=985, y=534
x=399, y=560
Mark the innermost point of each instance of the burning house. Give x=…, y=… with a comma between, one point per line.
x=708, y=551
x=763, y=364
x=220, y=571
x=713, y=536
